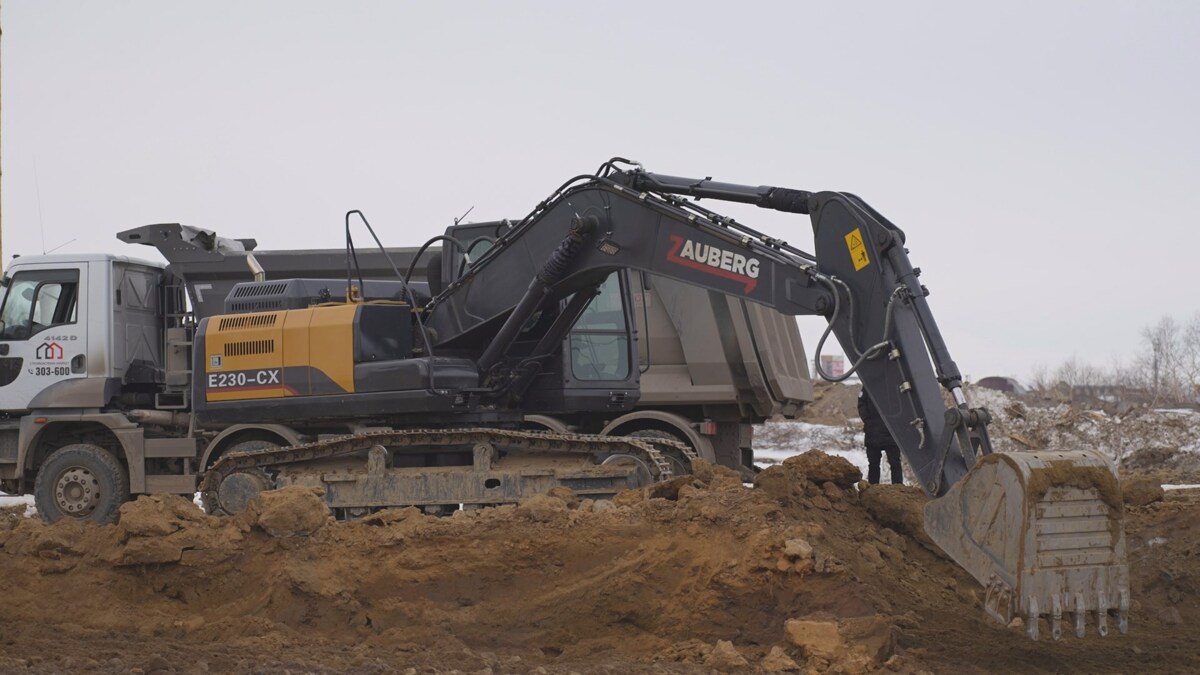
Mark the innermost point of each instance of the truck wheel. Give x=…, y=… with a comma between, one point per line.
x=679, y=464
x=81, y=481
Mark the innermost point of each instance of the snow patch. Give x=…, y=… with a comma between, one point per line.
x=13, y=500
x=776, y=441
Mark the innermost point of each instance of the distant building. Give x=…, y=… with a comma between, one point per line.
x=1005, y=384
x=833, y=366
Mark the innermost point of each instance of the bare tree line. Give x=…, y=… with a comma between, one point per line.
x=1165, y=372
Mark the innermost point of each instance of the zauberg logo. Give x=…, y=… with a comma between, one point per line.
x=714, y=260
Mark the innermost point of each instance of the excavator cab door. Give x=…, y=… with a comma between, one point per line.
x=598, y=348
x=598, y=365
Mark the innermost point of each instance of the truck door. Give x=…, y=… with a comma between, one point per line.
x=43, y=331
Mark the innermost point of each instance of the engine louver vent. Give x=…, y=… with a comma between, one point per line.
x=249, y=347
x=256, y=290
x=248, y=321
x=260, y=305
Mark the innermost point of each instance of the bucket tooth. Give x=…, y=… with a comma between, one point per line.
x=1080, y=614
x=1043, y=529
x=1055, y=618
x=1031, y=620
x=1102, y=613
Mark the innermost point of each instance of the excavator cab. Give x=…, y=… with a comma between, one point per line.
x=596, y=368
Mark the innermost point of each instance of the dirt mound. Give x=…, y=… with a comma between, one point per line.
x=1136, y=439
x=1140, y=439
x=294, y=511
x=833, y=404
x=701, y=575
x=820, y=468
x=1166, y=465
x=1140, y=491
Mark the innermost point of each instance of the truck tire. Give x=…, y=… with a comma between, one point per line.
x=83, y=482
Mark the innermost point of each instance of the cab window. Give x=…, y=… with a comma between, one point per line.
x=36, y=301
x=600, y=339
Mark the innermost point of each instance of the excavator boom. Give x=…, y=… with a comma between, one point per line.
x=1042, y=532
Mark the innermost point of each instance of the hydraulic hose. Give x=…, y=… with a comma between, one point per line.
x=421, y=251
x=871, y=352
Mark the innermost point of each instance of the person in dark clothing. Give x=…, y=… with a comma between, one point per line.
x=878, y=441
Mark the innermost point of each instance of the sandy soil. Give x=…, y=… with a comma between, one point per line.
x=832, y=404
x=698, y=575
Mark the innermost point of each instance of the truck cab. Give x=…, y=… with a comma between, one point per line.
x=81, y=341
x=73, y=329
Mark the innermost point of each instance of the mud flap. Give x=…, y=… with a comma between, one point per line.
x=1044, y=533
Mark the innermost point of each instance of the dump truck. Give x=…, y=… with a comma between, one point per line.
x=393, y=392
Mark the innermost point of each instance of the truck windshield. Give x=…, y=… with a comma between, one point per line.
x=37, y=300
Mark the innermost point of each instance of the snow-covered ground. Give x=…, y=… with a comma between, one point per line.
x=776, y=441
x=1018, y=427
x=12, y=500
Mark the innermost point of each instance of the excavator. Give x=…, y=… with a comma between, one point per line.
x=439, y=376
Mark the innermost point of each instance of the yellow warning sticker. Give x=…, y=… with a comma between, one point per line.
x=858, y=252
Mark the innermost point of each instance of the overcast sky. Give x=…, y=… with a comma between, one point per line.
x=1043, y=157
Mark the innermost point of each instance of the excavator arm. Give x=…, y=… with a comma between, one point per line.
x=860, y=279
x=1041, y=531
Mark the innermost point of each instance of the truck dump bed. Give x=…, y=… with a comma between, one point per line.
x=705, y=348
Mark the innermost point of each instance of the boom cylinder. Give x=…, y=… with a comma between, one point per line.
x=765, y=196
x=553, y=271
x=947, y=370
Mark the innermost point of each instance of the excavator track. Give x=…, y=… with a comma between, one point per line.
x=487, y=481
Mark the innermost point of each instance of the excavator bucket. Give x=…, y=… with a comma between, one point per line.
x=1043, y=532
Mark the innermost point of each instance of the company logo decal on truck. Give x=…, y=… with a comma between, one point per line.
x=49, y=358
x=49, y=351
x=716, y=261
